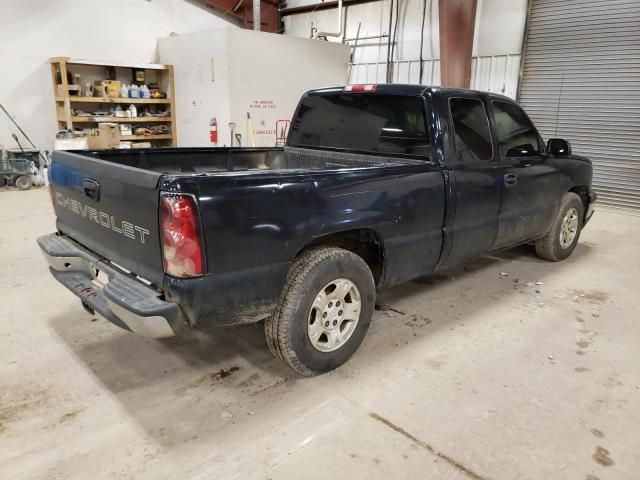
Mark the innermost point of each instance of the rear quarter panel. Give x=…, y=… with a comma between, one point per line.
x=256, y=223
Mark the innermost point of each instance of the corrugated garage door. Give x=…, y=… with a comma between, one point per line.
x=581, y=81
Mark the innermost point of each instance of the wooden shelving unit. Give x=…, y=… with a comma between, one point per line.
x=89, y=71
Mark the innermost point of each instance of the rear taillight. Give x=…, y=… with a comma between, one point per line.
x=360, y=88
x=182, y=253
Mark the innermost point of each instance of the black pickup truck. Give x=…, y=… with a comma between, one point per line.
x=378, y=184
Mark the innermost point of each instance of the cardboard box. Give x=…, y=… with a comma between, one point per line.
x=107, y=135
x=78, y=143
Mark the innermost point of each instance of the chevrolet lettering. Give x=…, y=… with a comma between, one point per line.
x=104, y=219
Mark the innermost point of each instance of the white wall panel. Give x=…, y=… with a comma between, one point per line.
x=117, y=30
x=211, y=81
x=497, y=73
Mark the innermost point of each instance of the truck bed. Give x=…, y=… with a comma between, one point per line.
x=181, y=161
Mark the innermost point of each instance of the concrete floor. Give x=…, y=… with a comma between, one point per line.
x=467, y=376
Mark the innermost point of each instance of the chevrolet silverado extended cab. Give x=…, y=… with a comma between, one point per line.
x=377, y=185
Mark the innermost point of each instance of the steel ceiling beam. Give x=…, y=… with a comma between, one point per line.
x=457, y=24
x=242, y=11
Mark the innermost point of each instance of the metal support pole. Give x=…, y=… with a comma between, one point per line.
x=256, y=15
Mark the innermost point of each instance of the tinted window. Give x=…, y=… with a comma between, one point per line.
x=361, y=122
x=471, y=129
x=516, y=134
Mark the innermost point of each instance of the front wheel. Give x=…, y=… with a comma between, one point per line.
x=24, y=183
x=565, y=232
x=324, y=311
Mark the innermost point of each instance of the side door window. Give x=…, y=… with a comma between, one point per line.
x=516, y=135
x=471, y=129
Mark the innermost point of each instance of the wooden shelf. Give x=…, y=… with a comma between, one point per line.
x=148, y=138
x=65, y=102
x=107, y=63
x=73, y=99
x=97, y=119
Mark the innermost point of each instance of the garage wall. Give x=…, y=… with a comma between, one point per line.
x=581, y=81
x=497, y=42
x=33, y=31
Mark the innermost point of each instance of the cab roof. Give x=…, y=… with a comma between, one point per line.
x=407, y=90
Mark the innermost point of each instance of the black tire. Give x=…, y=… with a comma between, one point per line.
x=549, y=247
x=23, y=183
x=287, y=330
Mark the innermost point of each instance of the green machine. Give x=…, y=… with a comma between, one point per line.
x=20, y=172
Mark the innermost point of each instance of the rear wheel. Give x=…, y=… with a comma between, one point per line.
x=324, y=311
x=24, y=183
x=563, y=237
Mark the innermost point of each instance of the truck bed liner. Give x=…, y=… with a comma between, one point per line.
x=177, y=161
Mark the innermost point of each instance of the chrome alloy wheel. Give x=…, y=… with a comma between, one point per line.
x=569, y=228
x=334, y=315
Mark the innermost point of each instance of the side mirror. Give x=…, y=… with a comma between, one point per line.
x=558, y=147
x=523, y=150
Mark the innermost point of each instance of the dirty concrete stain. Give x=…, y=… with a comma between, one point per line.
x=211, y=378
x=418, y=321
x=591, y=477
x=223, y=373
x=67, y=417
x=388, y=308
x=593, y=296
x=602, y=457
x=611, y=381
x=249, y=380
x=582, y=369
x=272, y=386
x=437, y=361
x=12, y=408
x=581, y=352
x=454, y=463
x=583, y=343
x=580, y=319
x=597, y=433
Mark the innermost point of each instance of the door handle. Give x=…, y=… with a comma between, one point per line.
x=510, y=179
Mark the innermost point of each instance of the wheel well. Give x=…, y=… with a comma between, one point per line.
x=583, y=192
x=364, y=242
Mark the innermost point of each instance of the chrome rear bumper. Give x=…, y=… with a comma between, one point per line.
x=123, y=300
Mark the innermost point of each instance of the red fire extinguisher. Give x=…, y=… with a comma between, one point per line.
x=213, y=130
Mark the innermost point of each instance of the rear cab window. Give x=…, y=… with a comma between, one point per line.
x=367, y=123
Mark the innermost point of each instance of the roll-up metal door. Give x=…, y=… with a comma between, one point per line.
x=581, y=81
